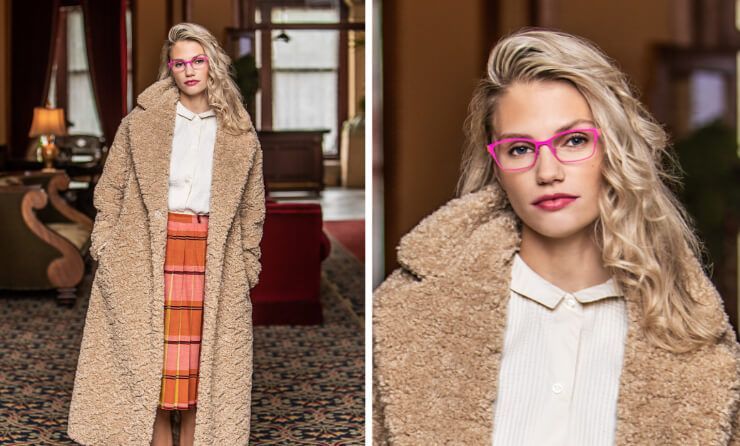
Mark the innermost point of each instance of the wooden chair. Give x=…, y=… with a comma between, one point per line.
x=44, y=240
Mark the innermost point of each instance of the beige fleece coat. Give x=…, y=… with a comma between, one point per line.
x=439, y=324
x=118, y=380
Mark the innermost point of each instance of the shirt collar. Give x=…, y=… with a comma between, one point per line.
x=526, y=282
x=185, y=113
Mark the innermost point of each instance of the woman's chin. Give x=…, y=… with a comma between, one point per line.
x=559, y=232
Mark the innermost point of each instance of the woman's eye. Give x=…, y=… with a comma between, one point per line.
x=577, y=140
x=519, y=150
x=178, y=64
x=199, y=61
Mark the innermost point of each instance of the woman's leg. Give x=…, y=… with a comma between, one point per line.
x=187, y=427
x=162, y=429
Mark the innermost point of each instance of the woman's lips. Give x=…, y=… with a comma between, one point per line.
x=191, y=83
x=554, y=202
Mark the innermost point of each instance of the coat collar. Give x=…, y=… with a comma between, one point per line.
x=151, y=132
x=439, y=335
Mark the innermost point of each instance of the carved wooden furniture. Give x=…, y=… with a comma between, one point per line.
x=293, y=160
x=44, y=239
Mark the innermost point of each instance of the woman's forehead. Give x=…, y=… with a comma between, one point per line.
x=186, y=49
x=539, y=109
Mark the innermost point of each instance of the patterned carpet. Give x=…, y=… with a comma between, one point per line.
x=308, y=381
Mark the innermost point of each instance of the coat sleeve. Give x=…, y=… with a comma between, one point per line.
x=252, y=215
x=735, y=429
x=108, y=194
x=391, y=290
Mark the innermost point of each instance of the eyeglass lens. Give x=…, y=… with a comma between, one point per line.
x=197, y=63
x=569, y=147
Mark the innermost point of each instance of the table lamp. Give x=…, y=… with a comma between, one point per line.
x=48, y=122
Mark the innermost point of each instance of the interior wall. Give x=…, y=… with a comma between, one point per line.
x=625, y=30
x=431, y=65
x=215, y=15
x=4, y=69
x=150, y=32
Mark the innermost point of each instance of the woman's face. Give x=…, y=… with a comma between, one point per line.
x=539, y=110
x=192, y=82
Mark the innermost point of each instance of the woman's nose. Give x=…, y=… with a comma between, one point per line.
x=547, y=167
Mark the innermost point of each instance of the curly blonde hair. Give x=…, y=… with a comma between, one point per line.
x=223, y=94
x=644, y=232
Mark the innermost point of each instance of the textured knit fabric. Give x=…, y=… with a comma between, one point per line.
x=192, y=160
x=439, y=323
x=561, y=363
x=119, y=373
x=184, y=285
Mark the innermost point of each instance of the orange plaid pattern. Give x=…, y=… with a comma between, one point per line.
x=184, y=288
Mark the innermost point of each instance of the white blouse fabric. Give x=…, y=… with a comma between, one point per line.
x=561, y=363
x=191, y=161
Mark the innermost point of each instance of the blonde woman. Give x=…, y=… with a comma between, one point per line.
x=180, y=213
x=558, y=300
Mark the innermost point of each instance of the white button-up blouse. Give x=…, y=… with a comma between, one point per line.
x=561, y=363
x=192, y=161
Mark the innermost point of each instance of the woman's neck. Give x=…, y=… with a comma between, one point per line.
x=196, y=104
x=571, y=264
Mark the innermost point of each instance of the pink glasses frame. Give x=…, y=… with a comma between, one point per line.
x=186, y=62
x=538, y=144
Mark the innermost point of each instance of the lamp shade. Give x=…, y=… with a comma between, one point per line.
x=47, y=121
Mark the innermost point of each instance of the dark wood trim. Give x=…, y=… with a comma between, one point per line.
x=349, y=26
x=389, y=129
x=132, y=7
x=490, y=15
x=187, y=10
x=313, y=4
x=62, y=61
x=170, y=13
x=266, y=70
x=534, y=12
x=247, y=15
x=342, y=78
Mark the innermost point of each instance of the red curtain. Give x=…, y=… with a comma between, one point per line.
x=105, y=29
x=33, y=27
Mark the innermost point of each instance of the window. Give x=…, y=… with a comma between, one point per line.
x=304, y=76
x=73, y=90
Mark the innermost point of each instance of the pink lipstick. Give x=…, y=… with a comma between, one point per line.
x=554, y=202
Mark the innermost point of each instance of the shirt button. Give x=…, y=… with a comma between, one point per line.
x=570, y=302
x=557, y=388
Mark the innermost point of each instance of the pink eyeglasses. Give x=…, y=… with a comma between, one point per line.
x=197, y=62
x=520, y=154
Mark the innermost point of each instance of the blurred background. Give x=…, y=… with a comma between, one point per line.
x=681, y=55
x=70, y=70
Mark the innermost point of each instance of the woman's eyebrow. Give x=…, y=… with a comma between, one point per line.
x=561, y=129
x=201, y=54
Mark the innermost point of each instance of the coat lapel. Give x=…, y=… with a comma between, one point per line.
x=438, y=381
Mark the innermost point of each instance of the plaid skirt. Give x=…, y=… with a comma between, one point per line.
x=184, y=289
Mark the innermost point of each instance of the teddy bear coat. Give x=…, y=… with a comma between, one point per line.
x=118, y=378
x=439, y=324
